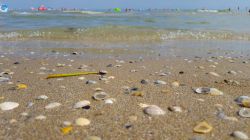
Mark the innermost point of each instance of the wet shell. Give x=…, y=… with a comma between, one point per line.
x=81, y=104
x=8, y=105
x=100, y=96
x=154, y=110
x=244, y=112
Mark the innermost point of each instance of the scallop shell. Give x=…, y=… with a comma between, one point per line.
x=8, y=105
x=81, y=104
x=154, y=110
x=244, y=112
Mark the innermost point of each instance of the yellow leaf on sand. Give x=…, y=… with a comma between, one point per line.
x=66, y=130
x=22, y=86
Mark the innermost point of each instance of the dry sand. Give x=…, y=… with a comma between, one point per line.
x=113, y=122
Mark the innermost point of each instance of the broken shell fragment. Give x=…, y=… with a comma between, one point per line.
x=203, y=127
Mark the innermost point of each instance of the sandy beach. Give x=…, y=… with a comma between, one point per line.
x=123, y=116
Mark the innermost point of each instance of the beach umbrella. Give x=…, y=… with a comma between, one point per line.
x=117, y=10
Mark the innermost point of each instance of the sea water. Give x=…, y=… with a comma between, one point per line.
x=146, y=28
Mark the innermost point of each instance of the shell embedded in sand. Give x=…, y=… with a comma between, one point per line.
x=154, y=110
x=202, y=90
x=100, y=96
x=175, y=84
x=42, y=97
x=8, y=105
x=244, y=112
x=203, y=127
x=160, y=82
x=81, y=104
x=240, y=135
x=82, y=122
x=52, y=105
x=207, y=90
x=214, y=74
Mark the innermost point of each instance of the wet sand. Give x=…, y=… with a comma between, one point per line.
x=114, y=121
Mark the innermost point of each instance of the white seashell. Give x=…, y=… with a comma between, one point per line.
x=42, y=97
x=244, y=112
x=143, y=105
x=214, y=74
x=206, y=90
x=100, y=95
x=240, y=135
x=81, y=104
x=202, y=90
x=154, y=110
x=40, y=117
x=175, y=108
x=160, y=82
x=109, y=101
x=67, y=123
x=214, y=91
x=232, y=72
x=8, y=105
x=81, y=78
x=52, y=105
x=175, y=84
x=82, y=122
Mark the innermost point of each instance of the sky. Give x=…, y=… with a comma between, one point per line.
x=105, y=4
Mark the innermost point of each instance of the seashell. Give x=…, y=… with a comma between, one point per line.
x=4, y=79
x=81, y=78
x=232, y=72
x=40, y=117
x=100, y=96
x=244, y=112
x=90, y=82
x=215, y=92
x=154, y=110
x=138, y=93
x=42, y=97
x=110, y=101
x=52, y=105
x=243, y=101
x=214, y=74
x=160, y=82
x=175, y=84
x=82, y=122
x=203, y=127
x=143, y=105
x=21, y=86
x=175, y=108
x=93, y=138
x=240, y=135
x=66, y=130
x=206, y=90
x=81, y=104
x=8, y=105
x=202, y=90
